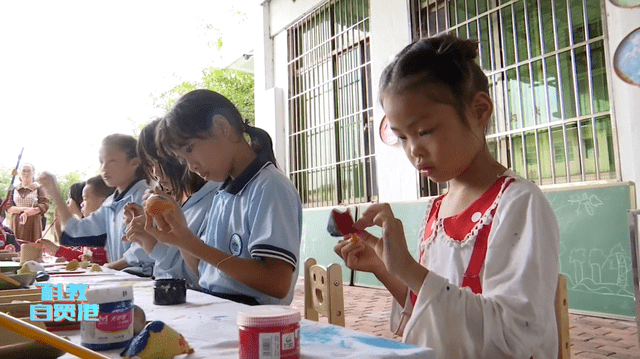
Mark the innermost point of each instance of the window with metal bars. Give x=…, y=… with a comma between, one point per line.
x=545, y=60
x=331, y=147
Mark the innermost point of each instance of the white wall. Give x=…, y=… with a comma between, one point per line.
x=390, y=32
x=626, y=97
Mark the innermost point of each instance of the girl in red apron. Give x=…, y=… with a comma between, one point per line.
x=485, y=279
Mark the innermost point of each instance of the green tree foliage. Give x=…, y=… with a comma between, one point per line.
x=5, y=179
x=237, y=86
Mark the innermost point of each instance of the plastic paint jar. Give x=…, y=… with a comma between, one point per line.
x=169, y=291
x=114, y=327
x=269, y=332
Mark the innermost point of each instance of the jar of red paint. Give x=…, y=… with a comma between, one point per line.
x=269, y=332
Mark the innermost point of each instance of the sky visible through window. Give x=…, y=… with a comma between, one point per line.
x=72, y=72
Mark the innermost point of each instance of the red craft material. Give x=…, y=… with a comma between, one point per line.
x=340, y=223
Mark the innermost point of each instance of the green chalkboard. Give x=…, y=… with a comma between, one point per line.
x=595, y=252
x=317, y=243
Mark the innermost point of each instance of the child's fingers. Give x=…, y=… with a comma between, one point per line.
x=343, y=248
x=148, y=225
x=368, y=238
x=134, y=208
x=375, y=214
x=162, y=223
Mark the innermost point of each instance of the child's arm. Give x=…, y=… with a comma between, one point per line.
x=120, y=264
x=59, y=251
x=269, y=275
x=191, y=261
x=89, y=231
x=48, y=183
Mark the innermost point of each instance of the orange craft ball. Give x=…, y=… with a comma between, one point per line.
x=158, y=204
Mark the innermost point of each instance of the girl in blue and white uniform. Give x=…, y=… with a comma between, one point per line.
x=191, y=191
x=120, y=168
x=252, y=241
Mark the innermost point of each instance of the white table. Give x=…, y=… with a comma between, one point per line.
x=209, y=325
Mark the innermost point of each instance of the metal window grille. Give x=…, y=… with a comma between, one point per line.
x=546, y=61
x=331, y=147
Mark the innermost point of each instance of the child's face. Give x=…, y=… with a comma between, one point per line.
x=116, y=169
x=158, y=173
x=90, y=200
x=209, y=157
x=433, y=136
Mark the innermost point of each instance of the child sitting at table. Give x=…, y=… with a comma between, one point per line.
x=120, y=168
x=485, y=280
x=252, y=241
x=92, y=193
x=193, y=194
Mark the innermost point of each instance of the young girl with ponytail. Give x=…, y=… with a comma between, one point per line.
x=252, y=240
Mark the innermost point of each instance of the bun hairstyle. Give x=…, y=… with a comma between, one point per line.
x=191, y=117
x=444, y=62
x=182, y=180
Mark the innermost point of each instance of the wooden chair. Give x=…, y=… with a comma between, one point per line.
x=562, y=318
x=323, y=292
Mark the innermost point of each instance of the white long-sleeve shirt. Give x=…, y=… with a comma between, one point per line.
x=514, y=316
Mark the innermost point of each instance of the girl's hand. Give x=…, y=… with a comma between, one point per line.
x=168, y=225
x=48, y=182
x=48, y=246
x=136, y=233
x=392, y=247
x=132, y=210
x=157, y=189
x=359, y=256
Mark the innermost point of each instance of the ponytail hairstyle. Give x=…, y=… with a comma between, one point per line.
x=445, y=62
x=75, y=192
x=126, y=144
x=182, y=180
x=191, y=117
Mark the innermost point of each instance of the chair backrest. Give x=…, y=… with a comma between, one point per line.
x=562, y=318
x=323, y=292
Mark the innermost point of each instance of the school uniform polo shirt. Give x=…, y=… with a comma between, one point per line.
x=257, y=215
